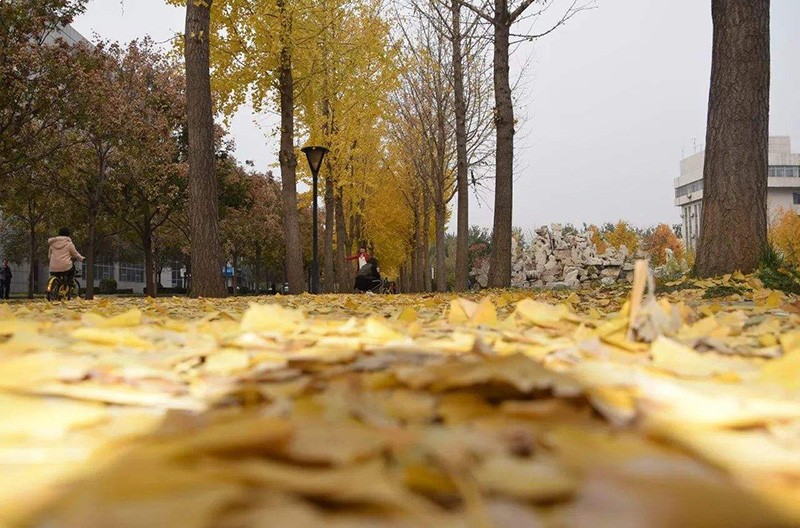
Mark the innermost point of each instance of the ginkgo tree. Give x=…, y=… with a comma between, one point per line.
x=342, y=105
x=424, y=107
x=326, y=73
x=256, y=48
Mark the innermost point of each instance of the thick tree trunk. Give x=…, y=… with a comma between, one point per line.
x=733, y=229
x=426, y=243
x=462, y=183
x=500, y=264
x=149, y=262
x=207, y=278
x=441, y=250
x=288, y=160
x=90, y=253
x=327, y=250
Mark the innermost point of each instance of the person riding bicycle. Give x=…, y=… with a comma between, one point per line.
x=62, y=252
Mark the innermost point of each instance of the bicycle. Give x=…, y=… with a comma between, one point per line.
x=63, y=286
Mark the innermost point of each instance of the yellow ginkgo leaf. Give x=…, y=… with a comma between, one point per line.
x=408, y=315
x=130, y=318
x=541, y=314
x=270, y=318
x=485, y=314
x=110, y=337
x=461, y=311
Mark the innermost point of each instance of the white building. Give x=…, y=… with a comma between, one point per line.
x=783, y=186
x=129, y=277
x=66, y=33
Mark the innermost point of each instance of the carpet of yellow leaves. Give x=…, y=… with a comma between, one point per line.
x=597, y=408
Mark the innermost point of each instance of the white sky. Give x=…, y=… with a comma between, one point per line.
x=611, y=102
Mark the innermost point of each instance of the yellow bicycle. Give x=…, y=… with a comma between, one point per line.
x=62, y=287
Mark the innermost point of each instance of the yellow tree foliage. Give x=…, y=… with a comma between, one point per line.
x=343, y=105
x=623, y=234
x=597, y=239
x=784, y=234
x=661, y=239
x=343, y=68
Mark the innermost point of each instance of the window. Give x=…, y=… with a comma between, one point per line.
x=101, y=271
x=131, y=272
x=796, y=198
x=784, y=171
x=176, y=275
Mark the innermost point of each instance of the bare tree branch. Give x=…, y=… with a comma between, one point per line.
x=478, y=11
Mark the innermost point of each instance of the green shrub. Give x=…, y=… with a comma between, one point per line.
x=108, y=285
x=776, y=273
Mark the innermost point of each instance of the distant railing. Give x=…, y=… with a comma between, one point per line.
x=689, y=188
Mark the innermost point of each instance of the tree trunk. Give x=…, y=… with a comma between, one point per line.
x=426, y=243
x=257, y=270
x=235, y=278
x=441, y=250
x=207, y=280
x=733, y=229
x=288, y=160
x=500, y=264
x=462, y=183
x=90, y=254
x=419, y=249
x=149, y=262
x=31, y=259
x=327, y=250
x=343, y=267
x=413, y=285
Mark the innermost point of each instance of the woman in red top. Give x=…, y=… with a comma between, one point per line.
x=362, y=256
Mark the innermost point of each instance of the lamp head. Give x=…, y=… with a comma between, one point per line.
x=315, y=155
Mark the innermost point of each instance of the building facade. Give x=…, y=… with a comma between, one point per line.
x=66, y=33
x=783, y=186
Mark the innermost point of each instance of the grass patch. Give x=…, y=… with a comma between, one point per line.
x=714, y=292
x=672, y=287
x=777, y=274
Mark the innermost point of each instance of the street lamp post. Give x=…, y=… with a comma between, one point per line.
x=315, y=155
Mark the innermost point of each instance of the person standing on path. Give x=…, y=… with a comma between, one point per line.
x=5, y=280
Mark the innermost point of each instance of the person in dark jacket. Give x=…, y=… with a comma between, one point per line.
x=369, y=276
x=5, y=280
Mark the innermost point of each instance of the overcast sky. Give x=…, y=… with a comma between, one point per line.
x=611, y=103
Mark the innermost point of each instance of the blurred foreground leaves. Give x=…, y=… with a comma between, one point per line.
x=597, y=408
